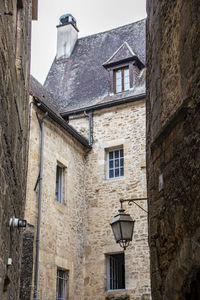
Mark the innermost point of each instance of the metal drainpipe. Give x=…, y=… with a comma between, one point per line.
x=39, y=210
x=90, y=128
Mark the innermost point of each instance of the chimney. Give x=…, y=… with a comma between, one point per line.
x=67, y=35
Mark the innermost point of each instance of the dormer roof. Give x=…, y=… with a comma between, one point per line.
x=124, y=52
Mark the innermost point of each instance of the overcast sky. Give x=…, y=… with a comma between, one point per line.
x=92, y=16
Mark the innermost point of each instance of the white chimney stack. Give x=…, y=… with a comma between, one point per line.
x=67, y=35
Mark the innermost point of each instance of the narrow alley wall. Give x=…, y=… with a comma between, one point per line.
x=14, y=86
x=173, y=142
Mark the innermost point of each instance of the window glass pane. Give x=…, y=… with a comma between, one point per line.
x=58, y=192
x=116, y=172
x=61, y=285
x=126, y=73
x=118, y=75
x=111, y=164
x=118, y=80
x=121, y=162
x=122, y=80
x=126, y=80
x=116, y=163
x=116, y=153
x=116, y=272
x=111, y=173
x=111, y=155
x=118, y=88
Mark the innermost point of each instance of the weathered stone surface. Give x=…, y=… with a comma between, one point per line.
x=27, y=263
x=121, y=125
x=62, y=233
x=125, y=297
x=14, y=81
x=173, y=140
x=76, y=235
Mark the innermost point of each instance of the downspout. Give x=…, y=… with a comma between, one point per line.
x=35, y=297
x=90, y=128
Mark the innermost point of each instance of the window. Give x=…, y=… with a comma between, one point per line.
x=115, y=272
x=122, y=80
x=59, y=183
x=61, y=288
x=115, y=163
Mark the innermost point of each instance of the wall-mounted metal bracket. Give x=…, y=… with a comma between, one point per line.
x=133, y=200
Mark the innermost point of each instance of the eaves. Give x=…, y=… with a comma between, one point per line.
x=54, y=116
x=104, y=105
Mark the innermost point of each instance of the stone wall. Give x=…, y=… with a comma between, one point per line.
x=173, y=140
x=122, y=125
x=62, y=233
x=76, y=235
x=27, y=263
x=14, y=86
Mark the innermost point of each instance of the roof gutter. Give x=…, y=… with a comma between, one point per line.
x=104, y=105
x=62, y=123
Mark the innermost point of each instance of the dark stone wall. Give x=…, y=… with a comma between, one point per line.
x=173, y=143
x=124, y=297
x=27, y=263
x=14, y=87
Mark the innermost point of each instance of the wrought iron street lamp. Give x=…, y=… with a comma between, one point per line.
x=123, y=224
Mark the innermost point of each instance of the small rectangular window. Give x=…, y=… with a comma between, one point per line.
x=115, y=163
x=115, y=272
x=59, y=183
x=61, y=287
x=122, y=80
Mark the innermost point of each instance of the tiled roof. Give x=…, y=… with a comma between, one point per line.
x=36, y=89
x=45, y=101
x=81, y=80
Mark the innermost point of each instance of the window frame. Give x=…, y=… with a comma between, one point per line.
x=112, y=285
x=64, y=283
x=59, y=183
x=122, y=70
x=108, y=168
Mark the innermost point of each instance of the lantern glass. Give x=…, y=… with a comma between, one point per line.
x=116, y=231
x=127, y=230
x=122, y=227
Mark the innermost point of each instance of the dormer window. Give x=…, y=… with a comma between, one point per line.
x=123, y=67
x=122, y=80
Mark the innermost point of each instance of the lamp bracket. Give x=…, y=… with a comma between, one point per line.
x=133, y=200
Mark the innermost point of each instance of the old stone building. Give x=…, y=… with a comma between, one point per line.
x=15, y=26
x=87, y=150
x=173, y=142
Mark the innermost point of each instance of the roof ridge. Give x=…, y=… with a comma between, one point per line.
x=110, y=30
